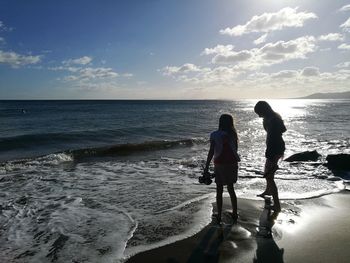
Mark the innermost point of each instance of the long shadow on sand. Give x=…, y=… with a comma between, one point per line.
x=267, y=249
x=235, y=242
x=222, y=243
x=207, y=250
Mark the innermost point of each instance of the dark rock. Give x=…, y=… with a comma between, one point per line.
x=338, y=161
x=303, y=156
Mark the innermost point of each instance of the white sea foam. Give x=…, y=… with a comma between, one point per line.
x=200, y=219
x=34, y=164
x=114, y=209
x=68, y=230
x=55, y=158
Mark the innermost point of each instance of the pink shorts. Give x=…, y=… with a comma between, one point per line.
x=226, y=174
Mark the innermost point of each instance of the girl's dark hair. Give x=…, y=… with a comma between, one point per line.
x=226, y=124
x=263, y=108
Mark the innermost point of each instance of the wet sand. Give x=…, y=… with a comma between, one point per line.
x=311, y=230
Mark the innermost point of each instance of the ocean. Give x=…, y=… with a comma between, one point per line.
x=98, y=181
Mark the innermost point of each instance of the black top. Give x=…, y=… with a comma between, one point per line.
x=274, y=127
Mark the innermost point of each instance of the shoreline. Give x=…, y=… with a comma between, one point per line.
x=308, y=230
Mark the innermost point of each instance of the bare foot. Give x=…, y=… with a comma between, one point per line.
x=263, y=194
x=274, y=215
x=234, y=217
x=275, y=208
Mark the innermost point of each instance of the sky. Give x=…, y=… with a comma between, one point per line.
x=173, y=49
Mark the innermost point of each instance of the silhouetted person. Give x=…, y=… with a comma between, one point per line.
x=275, y=147
x=223, y=146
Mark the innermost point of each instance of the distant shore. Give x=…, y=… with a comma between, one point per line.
x=328, y=95
x=310, y=230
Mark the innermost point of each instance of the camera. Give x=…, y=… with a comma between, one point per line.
x=206, y=178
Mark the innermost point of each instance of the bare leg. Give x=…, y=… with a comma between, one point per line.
x=269, y=173
x=219, y=191
x=233, y=197
x=267, y=190
x=274, y=192
x=271, y=186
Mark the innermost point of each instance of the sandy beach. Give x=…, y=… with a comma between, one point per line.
x=309, y=230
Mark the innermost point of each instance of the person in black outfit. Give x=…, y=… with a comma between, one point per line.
x=275, y=147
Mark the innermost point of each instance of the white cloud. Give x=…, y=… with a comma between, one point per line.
x=292, y=75
x=300, y=45
x=344, y=46
x=82, y=76
x=17, y=60
x=4, y=28
x=260, y=40
x=331, y=37
x=289, y=82
x=285, y=50
x=232, y=57
x=185, y=68
x=78, y=61
x=127, y=75
x=239, y=63
x=343, y=65
x=219, y=49
x=14, y=59
x=310, y=72
x=286, y=17
x=228, y=81
x=284, y=74
x=88, y=74
x=221, y=75
x=346, y=25
x=269, y=54
x=64, y=68
x=226, y=54
x=336, y=77
x=71, y=78
x=345, y=8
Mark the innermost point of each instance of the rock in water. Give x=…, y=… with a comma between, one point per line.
x=338, y=161
x=303, y=156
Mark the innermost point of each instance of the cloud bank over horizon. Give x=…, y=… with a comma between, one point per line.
x=244, y=68
x=284, y=51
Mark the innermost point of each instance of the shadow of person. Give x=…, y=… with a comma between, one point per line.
x=267, y=249
x=208, y=248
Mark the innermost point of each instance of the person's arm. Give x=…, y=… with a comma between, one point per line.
x=283, y=127
x=235, y=152
x=236, y=156
x=210, y=156
x=275, y=127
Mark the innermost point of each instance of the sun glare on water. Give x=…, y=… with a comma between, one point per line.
x=289, y=108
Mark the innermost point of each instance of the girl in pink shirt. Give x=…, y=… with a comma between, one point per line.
x=223, y=147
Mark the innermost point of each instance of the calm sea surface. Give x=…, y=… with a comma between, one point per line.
x=97, y=181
